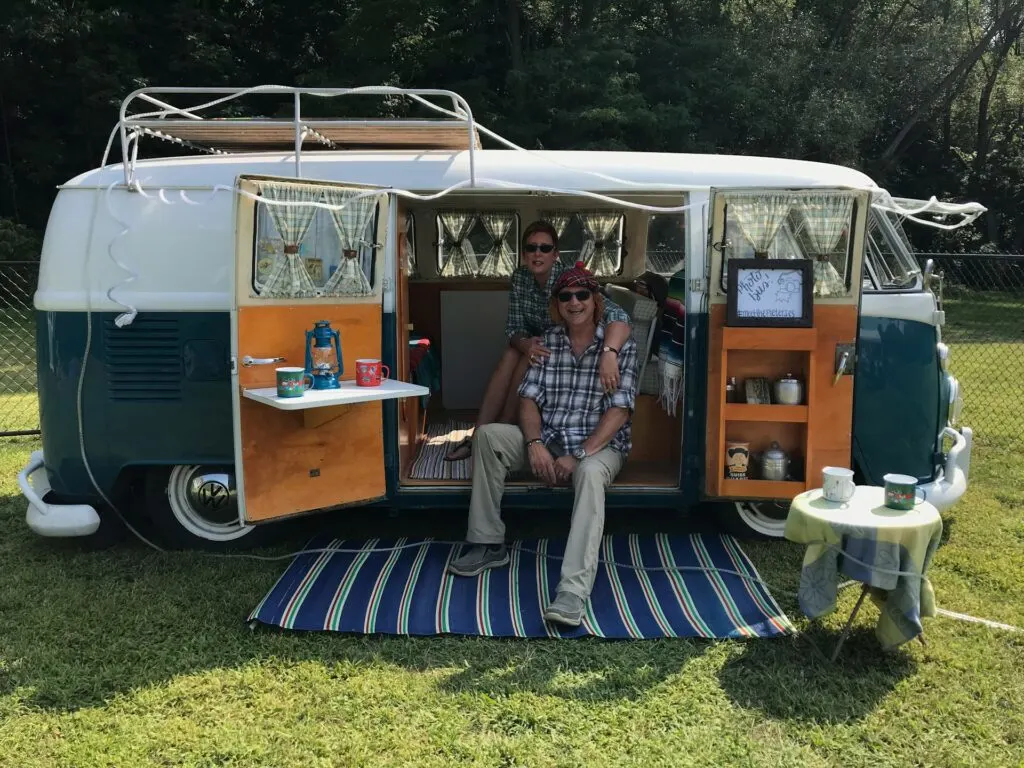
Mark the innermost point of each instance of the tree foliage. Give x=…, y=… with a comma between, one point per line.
x=925, y=96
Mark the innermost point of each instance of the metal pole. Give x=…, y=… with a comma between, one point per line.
x=298, y=139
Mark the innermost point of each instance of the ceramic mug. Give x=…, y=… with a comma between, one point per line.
x=737, y=459
x=837, y=484
x=901, y=491
x=369, y=372
x=292, y=382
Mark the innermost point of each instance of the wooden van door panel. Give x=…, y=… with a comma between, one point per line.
x=818, y=432
x=296, y=461
x=290, y=462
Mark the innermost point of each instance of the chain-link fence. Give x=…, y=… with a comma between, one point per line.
x=19, y=408
x=983, y=297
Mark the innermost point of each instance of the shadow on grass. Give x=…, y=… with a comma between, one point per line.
x=80, y=627
x=796, y=680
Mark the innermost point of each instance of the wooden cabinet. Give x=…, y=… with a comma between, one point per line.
x=813, y=434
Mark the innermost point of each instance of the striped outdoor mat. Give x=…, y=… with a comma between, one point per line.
x=401, y=587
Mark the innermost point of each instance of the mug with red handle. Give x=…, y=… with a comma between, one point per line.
x=370, y=372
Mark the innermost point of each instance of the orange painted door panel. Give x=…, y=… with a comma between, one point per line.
x=289, y=462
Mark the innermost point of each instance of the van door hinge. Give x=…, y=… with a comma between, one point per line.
x=939, y=317
x=233, y=364
x=698, y=285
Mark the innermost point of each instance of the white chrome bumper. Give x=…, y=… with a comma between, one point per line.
x=56, y=520
x=946, y=490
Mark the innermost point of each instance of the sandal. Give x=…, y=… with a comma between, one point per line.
x=465, y=444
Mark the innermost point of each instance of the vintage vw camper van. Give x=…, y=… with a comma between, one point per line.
x=798, y=325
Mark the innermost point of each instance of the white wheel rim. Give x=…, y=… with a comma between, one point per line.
x=754, y=518
x=192, y=519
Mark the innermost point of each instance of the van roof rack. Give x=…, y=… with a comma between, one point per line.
x=187, y=127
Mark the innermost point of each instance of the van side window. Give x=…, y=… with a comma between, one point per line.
x=666, y=243
x=593, y=237
x=335, y=253
x=794, y=225
x=477, y=243
x=889, y=263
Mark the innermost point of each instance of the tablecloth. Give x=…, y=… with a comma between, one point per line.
x=894, y=549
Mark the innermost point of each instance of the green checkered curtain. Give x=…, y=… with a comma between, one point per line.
x=826, y=218
x=560, y=221
x=352, y=219
x=600, y=245
x=460, y=260
x=408, y=247
x=288, y=278
x=760, y=217
x=500, y=261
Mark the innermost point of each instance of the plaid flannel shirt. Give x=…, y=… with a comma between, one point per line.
x=569, y=394
x=528, y=304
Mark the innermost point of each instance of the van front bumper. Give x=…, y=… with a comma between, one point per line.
x=946, y=489
x=54, y=520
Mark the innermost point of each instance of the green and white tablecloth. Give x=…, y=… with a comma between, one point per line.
x=894, y=549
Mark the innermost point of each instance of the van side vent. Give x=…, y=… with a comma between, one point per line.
x=143, y=359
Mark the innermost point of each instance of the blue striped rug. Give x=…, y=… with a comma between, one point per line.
x=401, y=587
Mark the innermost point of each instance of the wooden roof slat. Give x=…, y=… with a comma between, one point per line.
x=240, y=136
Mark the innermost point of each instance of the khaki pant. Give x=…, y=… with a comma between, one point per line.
x=499, y=449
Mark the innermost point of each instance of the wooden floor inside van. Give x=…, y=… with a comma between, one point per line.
x=653, y=462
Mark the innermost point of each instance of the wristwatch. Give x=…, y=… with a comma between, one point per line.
x=580, y=453
x=606, y=348
x=535, y=440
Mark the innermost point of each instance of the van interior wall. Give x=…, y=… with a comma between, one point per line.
x=464, y=320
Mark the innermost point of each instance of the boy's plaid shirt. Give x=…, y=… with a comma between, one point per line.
x=528, y=304
x=569, y=394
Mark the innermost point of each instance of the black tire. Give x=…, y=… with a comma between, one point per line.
x=182, y=521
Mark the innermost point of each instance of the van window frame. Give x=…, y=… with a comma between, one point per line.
x=900, y=247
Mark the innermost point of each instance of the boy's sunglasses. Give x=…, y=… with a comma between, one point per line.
x=542, y=247
x=566, y=296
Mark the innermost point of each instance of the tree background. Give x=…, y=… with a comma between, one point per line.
x=926, y=96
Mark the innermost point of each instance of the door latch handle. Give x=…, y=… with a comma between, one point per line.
x=249, y=361
x=841, y=368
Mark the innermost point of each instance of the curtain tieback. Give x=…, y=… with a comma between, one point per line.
x=349, y=253
x=291, y=249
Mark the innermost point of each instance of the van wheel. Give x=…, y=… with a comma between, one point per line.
x=757, y=519
x=196, y=506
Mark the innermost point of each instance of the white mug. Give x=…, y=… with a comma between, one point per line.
x=837, y=483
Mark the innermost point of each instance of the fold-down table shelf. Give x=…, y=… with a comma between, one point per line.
x=348, y=394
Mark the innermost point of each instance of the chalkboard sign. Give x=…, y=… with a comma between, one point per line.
x=771, y=293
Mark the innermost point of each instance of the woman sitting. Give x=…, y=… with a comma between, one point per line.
x=527, y=321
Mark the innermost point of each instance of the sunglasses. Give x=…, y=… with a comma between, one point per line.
x=542, y=247
x=566, y=296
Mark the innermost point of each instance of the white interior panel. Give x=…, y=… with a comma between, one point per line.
x=472, y=342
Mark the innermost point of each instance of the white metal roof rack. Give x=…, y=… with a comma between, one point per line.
x=184, y=125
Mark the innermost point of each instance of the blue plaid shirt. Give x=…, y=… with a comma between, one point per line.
x=528, y=304
x=569, y=394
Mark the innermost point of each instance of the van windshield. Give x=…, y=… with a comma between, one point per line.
x=890, y=262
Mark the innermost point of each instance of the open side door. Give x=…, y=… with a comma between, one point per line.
x=824, y=231
x=291, y=458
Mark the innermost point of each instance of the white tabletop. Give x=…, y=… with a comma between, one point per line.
x=348, y=393
x=866, y=508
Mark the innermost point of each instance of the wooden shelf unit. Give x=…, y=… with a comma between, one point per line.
x=768, y=353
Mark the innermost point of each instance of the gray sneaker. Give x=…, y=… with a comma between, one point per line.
x=566, y=609
x=478, y=558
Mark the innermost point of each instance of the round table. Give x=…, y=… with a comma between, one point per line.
x=887, y=550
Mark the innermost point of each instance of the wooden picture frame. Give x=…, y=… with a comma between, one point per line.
x=770, y=293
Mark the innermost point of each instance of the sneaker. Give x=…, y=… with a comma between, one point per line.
x=566, y=609
x=478, y=558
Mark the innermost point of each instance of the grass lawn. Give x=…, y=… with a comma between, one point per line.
x=130, y=657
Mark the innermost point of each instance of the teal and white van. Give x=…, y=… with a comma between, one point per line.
x=172, y=287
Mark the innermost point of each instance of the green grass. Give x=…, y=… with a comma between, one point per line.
x=131, y=657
